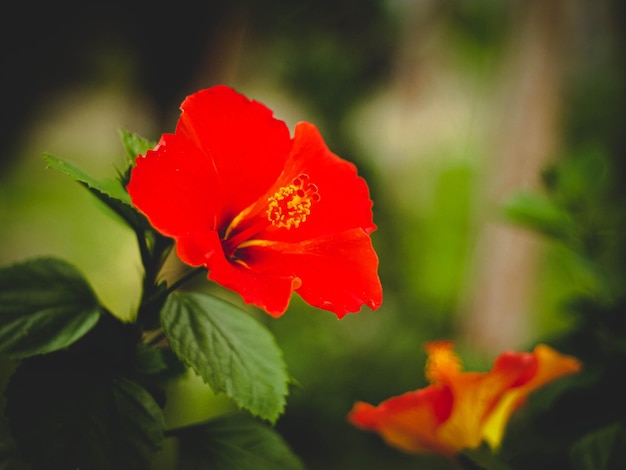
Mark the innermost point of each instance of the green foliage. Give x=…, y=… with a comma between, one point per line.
x=109, y=191
x=67, y=414
x=482, y=458
x=89, y=389
x=538, y=213
x=604, y=449
x=230, y=350
x=135, y=145
x=235, y=441
x=45, y=305
x=110, y=188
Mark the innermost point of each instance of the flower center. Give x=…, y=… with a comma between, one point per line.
x=291, y=204
x=288, y=207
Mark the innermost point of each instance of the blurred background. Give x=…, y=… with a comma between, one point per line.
x=448, y=107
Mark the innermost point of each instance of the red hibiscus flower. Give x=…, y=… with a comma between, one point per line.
x=461, y=409
x=265, y=213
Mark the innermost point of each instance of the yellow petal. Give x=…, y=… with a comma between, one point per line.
x=443, y=364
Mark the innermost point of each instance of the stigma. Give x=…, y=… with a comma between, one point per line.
x=290, y=206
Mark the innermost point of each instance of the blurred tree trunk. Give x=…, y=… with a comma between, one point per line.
x=527, y=131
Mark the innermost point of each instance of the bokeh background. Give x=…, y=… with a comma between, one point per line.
x=448, y=107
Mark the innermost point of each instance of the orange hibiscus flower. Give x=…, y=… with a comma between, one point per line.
x=459, y=409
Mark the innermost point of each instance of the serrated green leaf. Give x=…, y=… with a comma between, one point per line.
x=604, y=449
x=141, y=423
x=135, y=144
x=235, y=441
x=109, y=187
x=109, y=191
x=538, y=213
x=45, y=305
x=231, y=351
x=63, y=414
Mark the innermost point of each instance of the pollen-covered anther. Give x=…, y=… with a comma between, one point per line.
x=291, y=205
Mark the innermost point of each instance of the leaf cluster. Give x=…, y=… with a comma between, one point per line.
x=88, y=390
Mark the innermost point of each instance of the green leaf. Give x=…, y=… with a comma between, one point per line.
x=150, y=360
x=538, y=213
x=482, y=458
x=139, y=423
x=157, y=364
x=9, y=456
x=109, y=187
x=109, y=191
x=231, y=351
x=235, y=441
x=135, y=145
x=604, y=449
x=64, y=413
x=45, y=305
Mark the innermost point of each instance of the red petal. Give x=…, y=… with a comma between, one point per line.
x=337, y=273
x=344, y=201
x=344, y=197
x=246, y=144
x=524, y=366
x=174, y=186
x=270, y=291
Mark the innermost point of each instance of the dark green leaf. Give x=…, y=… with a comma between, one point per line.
x=231, y=351
x=45, y=305
x=65, y=414
x=9, y=456
x=139, y=423
x=150, y=360
x=235, y=442
x=604, y=449
x=158, y=364
x=482, y=458
x=538, y=213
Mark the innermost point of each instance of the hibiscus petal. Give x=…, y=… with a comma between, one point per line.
x=476, y=394
x=337, y=272
x=443, y=363
x=270, y=291
x=550, y=365
x=174, y=186
x=408, y=421
x=478, y=406
x=341, y=199
x=246, y=144
x=344, y=197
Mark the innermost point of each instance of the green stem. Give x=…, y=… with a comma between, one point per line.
x=153, y=256
x=187, y=277
x=151, y=305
